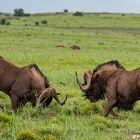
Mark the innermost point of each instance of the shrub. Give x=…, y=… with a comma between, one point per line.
x=123, y=14
x=66, y=11
x=44, y=21
x=7, y=23
x=78, y=14
x=2, y=21
x=37, y=23
x=27, y=14
x=19, y=12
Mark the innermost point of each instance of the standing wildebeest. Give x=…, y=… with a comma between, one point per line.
x=121, y=87
x=26, y=84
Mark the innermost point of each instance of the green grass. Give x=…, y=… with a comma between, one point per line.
x=101, y=37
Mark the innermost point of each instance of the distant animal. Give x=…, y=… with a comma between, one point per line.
x=111, y=80
x=26, y=84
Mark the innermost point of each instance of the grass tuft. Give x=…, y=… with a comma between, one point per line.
x=5, y=118
x=53, y=129
x=101, y=123
x=27, y=135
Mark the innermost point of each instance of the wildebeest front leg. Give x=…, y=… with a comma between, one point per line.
x=14, y=100
x=109, y=107
x=112, y=98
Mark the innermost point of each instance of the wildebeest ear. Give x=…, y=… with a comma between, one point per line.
x=96, y=77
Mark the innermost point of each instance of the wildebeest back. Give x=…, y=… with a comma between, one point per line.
x=8, y=74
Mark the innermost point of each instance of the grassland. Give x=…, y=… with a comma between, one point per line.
x=101, y=37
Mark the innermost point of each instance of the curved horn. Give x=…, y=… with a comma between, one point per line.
x=87, y=77
x=57, y=99
x=42, y=95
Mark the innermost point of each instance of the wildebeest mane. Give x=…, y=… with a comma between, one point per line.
x=40, y=72
x=109, y=64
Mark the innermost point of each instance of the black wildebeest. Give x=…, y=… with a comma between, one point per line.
x=111, y=80
x=26, y=84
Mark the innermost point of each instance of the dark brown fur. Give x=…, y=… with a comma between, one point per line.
x=22, y=84
x=122, y=87
x=111, y=80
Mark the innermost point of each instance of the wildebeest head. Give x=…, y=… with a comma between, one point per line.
x=47, y=95
x=92, y=90
x=93, y=86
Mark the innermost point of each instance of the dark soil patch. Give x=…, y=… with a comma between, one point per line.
x=75, y=47
x=60, y=46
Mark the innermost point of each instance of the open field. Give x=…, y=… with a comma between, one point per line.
x=101, y=37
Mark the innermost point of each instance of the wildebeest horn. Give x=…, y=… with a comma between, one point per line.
x=57, y=99
x=45, y=94
x=87, y=78
x=48, y=92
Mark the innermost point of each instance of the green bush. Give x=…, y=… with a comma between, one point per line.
x=19, y=12
x=27, y=14
x=66, y=11
x=7, y=23
x=44, y=22
x=2, y=21
x=78, y=14
x=37, y=23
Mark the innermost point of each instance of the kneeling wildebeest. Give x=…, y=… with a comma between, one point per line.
x=26, y=84
x=110, y=79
